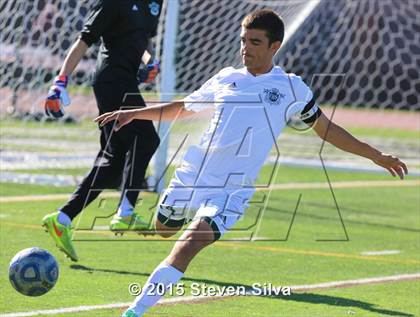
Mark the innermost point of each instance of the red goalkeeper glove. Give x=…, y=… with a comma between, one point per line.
x=149, y=73
x=57, y=98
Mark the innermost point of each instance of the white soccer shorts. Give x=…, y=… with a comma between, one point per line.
x=218, y=207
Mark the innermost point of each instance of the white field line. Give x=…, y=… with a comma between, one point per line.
x=189, y=299
x=344, y=184
x=383, y=252
x=310, y=185
x=363, y=281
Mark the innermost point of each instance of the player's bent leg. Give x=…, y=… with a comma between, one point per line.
x=168, y=221
x=199, y=234
x=140, y=142
x=165, y=231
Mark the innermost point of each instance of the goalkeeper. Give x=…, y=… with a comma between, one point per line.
x=125, y=29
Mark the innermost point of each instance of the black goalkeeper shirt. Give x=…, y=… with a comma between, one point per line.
x=125, y=27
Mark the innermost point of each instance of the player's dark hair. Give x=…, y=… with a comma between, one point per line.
x=268, y=21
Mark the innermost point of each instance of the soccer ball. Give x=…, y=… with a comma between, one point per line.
x=33, y=271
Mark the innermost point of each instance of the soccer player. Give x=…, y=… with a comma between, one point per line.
x=251, y=107
x=125, y=28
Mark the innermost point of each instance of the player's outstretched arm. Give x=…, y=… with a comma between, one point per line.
x=164, y=112
x=343, y=140
x=77, y=51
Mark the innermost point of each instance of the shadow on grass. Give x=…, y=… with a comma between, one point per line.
x=310, y=298
x=341, y=302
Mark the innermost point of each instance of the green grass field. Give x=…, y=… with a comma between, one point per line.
x=83, y=129
x=375, y=219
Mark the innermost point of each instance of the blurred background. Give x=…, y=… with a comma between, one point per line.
x=361, y=58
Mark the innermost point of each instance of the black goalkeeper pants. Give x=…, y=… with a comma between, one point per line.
x=124, y=155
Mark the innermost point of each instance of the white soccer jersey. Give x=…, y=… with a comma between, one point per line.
x=250, y=112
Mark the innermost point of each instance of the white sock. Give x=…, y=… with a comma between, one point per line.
x=126, y=208
x=164, y=274
x=64, y=219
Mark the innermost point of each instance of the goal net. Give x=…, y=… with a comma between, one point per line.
x=359, y=53
x=354, y=53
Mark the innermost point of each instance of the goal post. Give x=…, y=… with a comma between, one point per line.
x=166, y=87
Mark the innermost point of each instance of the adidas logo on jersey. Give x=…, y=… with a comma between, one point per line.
x=135, y=8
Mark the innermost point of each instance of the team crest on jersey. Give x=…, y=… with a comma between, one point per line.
x=273, y=96
x=154, y=8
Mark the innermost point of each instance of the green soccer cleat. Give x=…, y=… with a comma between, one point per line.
x=61, y=235
x=129, y=313
x=131, y=223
